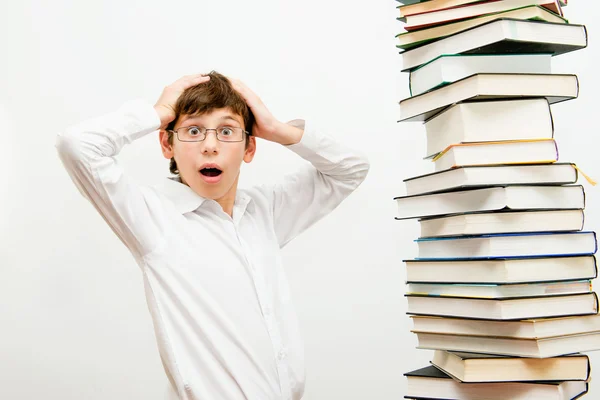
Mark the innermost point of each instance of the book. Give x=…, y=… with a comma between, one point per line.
x=525, y=329
x=411, y=39
x=502, y=270
x=506, y=245
x=477, y=367
x=451, y=68
x=499, y=291
x=554, y=87
x=503, y=309
x=502, y=222
x=532, y=348
x=437, y=17
x=434, y=5
x=532, y=151
x=489, y=121
x=505, y=35
x=431, y=383
x=490, y=199
x=489, y=175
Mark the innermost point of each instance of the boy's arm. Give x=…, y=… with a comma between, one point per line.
x=306, y=196
x=87, y=151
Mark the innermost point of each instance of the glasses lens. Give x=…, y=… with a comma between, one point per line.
x=191, y=134
x=230, y=134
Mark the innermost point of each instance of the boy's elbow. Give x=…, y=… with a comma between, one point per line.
x=67, y=145
x=363, y=168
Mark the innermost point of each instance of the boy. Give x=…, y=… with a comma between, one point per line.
x=209, y=253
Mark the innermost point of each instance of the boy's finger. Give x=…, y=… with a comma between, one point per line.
x=195, y=81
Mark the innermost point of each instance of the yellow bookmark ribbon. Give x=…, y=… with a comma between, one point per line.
x=587, y=178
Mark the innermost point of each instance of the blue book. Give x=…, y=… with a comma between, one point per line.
x=541, y=244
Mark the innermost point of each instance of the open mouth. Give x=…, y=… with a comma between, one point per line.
x=210, y=172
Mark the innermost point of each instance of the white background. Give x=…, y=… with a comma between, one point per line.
x=73, y=318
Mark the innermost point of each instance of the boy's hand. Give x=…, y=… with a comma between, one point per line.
x=266, y=126
x=165, y=105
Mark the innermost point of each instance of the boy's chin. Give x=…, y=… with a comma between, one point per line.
x=210, y=191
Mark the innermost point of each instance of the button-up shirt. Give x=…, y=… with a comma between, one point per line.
x=215, y=286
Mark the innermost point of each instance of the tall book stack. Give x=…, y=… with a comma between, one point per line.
x=501, y=287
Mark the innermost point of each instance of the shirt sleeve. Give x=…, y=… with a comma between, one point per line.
x=87, y=151
x=304, y=197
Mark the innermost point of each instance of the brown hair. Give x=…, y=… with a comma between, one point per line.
x=205, y=97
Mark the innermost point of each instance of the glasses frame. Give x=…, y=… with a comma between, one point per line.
x=176, y=133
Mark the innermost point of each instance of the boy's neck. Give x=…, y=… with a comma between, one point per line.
x=227, y=201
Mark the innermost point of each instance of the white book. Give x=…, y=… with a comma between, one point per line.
x=508, y=245
x=555, y=87
x=541, y=348
x=499, y=291
x=502, y=222
x=515, y=308
x=476, y=176
x=493, y=153
x=407, y=40
x=499, y=36
x=490, y=199
x=526, y=329
x=419, y=7
x=422, y=20
x=451, y=68
x=431, y=383
x=502, y=270
x=489, y=121
x=481, y=368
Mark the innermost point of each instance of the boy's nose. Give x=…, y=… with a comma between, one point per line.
x=210, y=143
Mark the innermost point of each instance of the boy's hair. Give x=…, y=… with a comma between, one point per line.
x=205, y=97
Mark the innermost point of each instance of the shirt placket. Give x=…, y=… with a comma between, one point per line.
x=269, y=316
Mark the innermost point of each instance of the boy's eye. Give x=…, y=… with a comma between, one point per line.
x=194, y=131
x=226, y=131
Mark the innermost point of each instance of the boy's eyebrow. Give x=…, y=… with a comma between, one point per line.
x=223, y=118
x=229, y=117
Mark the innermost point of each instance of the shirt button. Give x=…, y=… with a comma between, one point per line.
x=281, y=355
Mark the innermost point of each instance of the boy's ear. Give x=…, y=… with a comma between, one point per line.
x=167, y=149
x=250, y=149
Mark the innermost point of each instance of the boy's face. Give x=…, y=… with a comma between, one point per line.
x=210, y=167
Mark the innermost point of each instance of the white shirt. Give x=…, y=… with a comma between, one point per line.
x=215, y=286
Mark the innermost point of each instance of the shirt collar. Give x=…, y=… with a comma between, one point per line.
x=186, y=200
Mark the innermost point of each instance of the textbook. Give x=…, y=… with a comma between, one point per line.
x=431, y=383
x=555, y=88
x=410, y=39
x=489, y=121
x=505, y=35
x=427, y=19
x=532, y=151
x=498, y=291
x=502, y=270
x=502, y=222
x=531, y=348
x=451, y=68
x=514, y=308
x=490, y=175
x=525, y=329
x=476, y=367
x=420, y=7
x=520, y=197
x=507, y=245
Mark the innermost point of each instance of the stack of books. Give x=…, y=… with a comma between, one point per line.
x=501, y=287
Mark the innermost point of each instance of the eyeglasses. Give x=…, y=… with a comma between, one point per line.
x=198, y=134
